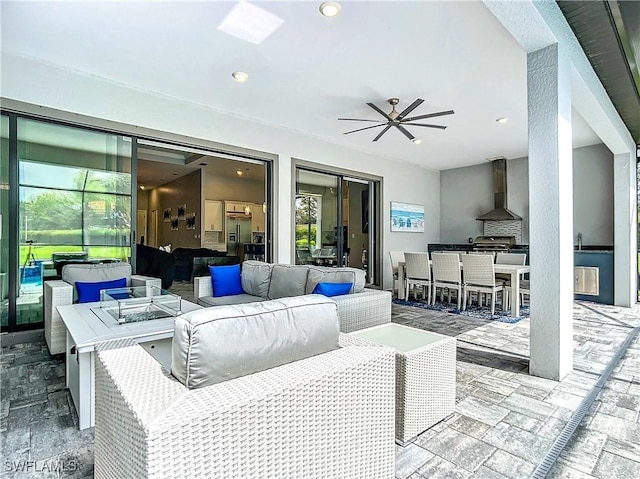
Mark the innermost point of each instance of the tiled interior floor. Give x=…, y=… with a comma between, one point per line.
x=504, y=423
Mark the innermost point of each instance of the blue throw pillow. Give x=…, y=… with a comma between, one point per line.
x=332, y=289
x=225, y=280
x=90, y=292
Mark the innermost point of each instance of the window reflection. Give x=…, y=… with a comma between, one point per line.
x=74, y=197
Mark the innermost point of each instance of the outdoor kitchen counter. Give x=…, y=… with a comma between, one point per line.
x=518, y=248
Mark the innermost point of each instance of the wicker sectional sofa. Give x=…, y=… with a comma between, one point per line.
x=327, y=415
x=361, y=308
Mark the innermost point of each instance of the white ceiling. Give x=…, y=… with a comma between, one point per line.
x=312, y=70
x=153, y=172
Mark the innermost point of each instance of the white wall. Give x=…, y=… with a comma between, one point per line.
x=593, y=195
x=30, y=81
x=466, y=193
x=229, y=188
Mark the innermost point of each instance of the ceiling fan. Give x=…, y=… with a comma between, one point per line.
x=399, y=120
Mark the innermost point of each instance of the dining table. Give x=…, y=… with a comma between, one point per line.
x=514, y=270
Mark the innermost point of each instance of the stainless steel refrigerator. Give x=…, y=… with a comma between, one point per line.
x=238, y=233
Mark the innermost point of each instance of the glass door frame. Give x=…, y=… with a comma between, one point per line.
x=55, y=117
x=218, y=153
x=374, y=266
x=15, y=186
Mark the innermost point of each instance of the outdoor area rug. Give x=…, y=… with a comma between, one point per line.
x=472, y=311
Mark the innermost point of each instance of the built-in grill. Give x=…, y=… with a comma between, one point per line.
x=493, y=243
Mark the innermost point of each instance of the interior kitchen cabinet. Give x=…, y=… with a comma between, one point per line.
x=258, y=223
x=234, y=206
x=213, y=216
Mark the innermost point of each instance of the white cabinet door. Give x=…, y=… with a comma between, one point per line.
x=213, y=215
x=586, y=280
x=257, y=219
x=233, y=206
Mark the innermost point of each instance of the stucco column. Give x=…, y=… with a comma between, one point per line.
x=550, y=212
x=283, y=212
x=625, y=253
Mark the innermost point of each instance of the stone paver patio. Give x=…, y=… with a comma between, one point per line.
x=505, y=420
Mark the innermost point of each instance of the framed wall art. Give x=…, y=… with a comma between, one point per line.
x=191, y=221
x=407, y=217
x=182, y=211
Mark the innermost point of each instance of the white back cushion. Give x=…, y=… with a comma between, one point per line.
x=216, y=344
x=95, y=273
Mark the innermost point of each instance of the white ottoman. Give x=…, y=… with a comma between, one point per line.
x=425, y=374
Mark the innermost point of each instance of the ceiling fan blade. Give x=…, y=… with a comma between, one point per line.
x=405, y=132
x=442, y=127
x=380, y=111
x=361, y=119
x=410, y=108
x=365, y=128
x=430, y=115
x=382, y=132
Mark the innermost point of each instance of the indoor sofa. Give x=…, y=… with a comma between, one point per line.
x=259, y=390
x=360, y=308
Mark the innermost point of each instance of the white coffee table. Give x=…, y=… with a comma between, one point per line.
x=425, y=375
x=87, y=326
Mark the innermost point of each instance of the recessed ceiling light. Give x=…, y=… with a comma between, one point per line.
x=175, y=174
x=203, y=164
x=417, y=141
x=240, y=77
x=239, y=172
x=330, y=9
x=142, y=187
x=502, y=119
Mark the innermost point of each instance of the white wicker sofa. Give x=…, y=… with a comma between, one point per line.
x=361, y=308
x=327, y=416
x=63, y=292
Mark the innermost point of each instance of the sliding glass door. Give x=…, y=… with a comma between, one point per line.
x=74, y=204
x=318, y=238
x=335, y=221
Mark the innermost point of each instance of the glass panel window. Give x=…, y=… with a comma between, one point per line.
x=74, y=197
x=49, y=217
x=308, y=227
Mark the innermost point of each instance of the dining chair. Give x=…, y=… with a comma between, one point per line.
x=446, y=274
x=418, y=273
x=524, y=290
x=459, y=253
x=396, y=257
x=479, y=276
x=485, y=253
x=509, y=258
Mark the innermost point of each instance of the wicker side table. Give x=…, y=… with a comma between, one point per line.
x=425, y=374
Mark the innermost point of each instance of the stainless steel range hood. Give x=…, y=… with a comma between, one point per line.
x=500, y=211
